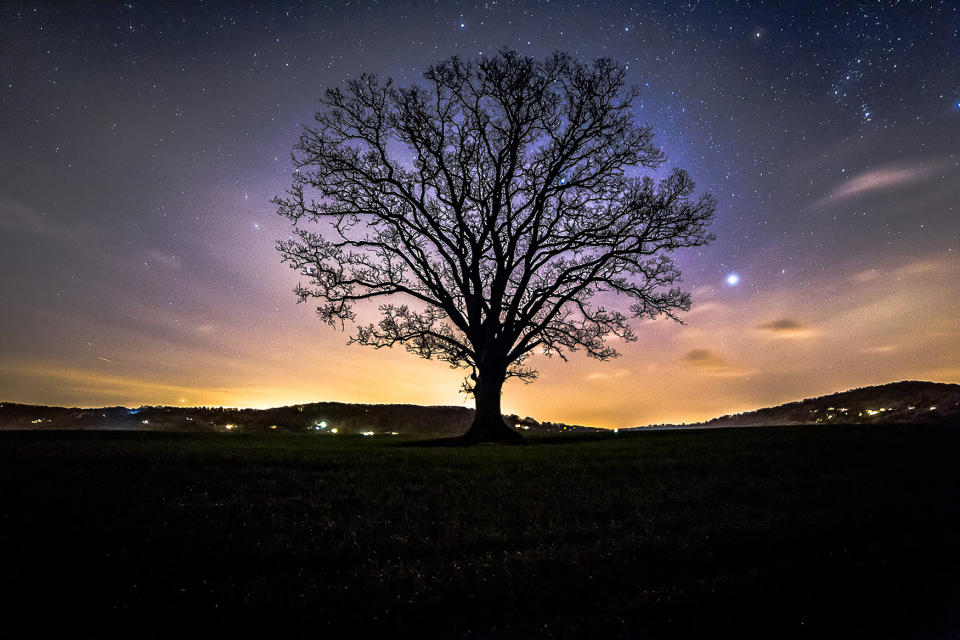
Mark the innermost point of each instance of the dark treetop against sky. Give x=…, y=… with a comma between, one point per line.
x=140, y=145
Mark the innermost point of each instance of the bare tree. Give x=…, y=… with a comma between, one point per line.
x=497, y=208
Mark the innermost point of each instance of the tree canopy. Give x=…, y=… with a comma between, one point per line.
x=496, y=212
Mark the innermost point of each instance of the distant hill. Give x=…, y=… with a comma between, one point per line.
x=896, y=402
x=319, y=417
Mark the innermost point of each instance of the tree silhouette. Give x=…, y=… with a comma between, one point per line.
x=497, y=208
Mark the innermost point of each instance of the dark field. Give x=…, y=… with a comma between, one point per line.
x=772, y=532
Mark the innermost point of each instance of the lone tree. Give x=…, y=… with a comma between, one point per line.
x=497, y=208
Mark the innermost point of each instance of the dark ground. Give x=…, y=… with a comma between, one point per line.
x=774, y=532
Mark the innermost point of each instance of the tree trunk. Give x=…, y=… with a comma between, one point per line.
x=488, y=424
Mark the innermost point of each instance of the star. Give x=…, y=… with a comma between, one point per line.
x=733, y=279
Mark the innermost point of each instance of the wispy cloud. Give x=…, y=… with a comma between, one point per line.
x=786, y=328
x=607, y=375
x=163, y=259
x=89, y=387
x=865, y=276
x=95, y=383
x=878, y=349
x=921, y=268
x=710, y=362
x=880, y=179
x=19, y=217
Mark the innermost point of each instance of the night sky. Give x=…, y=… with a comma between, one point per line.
x=140, y=145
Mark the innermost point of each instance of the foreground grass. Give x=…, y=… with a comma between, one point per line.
x=775, y=532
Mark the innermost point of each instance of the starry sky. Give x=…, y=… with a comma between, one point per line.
x=141, y=143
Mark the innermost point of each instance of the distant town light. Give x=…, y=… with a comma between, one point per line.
x=366, y=433
x=145, y=422
x=229, y=427
x=334, y=430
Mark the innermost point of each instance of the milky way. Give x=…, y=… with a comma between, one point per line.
x=140, y=145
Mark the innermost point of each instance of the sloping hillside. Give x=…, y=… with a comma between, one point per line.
x=319, y=417
x=896, y=402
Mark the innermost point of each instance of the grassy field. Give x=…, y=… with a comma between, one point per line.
x=771, y=532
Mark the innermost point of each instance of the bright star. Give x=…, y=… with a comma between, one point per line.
x=733, y=279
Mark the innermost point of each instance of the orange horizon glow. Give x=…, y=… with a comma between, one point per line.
x=856, y=328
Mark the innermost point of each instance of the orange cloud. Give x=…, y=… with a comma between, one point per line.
x=709, y=362
x=883, y=348
x=786, y=328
